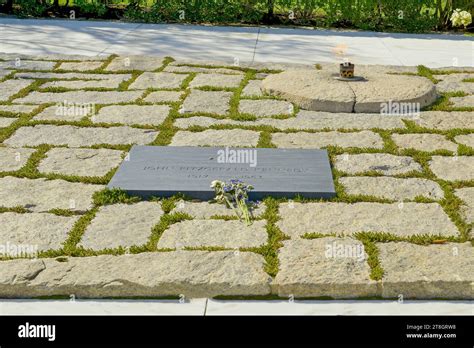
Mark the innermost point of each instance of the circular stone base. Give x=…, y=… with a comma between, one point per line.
x=317, y=90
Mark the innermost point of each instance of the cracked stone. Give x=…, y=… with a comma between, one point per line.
x=265, y=107
x=463, y=102
x=382, y=163
x=64, y=113
x=80, y=162
x=27, y=65
x=306, y=120
x=113, y=224
x=467, y=196
x=466, y=139
x=453, y=168
x=80, y=66
x=9, y=88
x=158, y=80
x=12, y=159
x=41, y=195
x=81, y=97
x=392, y=188
x=211, y=137
x=205, y=210
x=190, y=273
x=73, y=136
x=364, y=139
x=132, y=114
x=142, y=63
x=216, y=80
x=427, y=271
x=446, y=120
x=252, y=89
x=7, y=121
x=163, y=97
x=33, y=232
x=215, y=102
x=214, y=233
x=424, y=142
x=334, y=267
x=403, y=220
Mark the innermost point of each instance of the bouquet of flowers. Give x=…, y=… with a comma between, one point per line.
x=461, y=18
x=234, y=195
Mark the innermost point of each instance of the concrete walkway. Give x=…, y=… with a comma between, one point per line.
x=209, y=307
x=247, y=44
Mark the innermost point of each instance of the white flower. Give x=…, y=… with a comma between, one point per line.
x=461, y=18
x=216, y=183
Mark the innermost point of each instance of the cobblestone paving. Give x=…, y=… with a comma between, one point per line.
x=401, y=224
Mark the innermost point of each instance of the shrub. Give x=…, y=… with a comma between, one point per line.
x=25, y=8
x=91, y=8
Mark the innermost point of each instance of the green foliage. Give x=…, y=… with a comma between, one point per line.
x=25, y=8
x=91, y=8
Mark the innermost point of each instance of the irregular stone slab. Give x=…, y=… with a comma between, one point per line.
x=320, y=96
x=392, y=188
x=21, y=64
x=211, y=137
x=41, y=195
x=446, y=120
x=93, y=97
x=214, y=233
x=301, y=140
x=121, y=225
x=382, y=163
x=83, y=84
x=463, y=102
x=252, y=89
x=454, y=83
x=215, y=102
x=190, y=69
x=142, y=63
x=69, y=76
x=317, y=90
x=33, y=232
x=424, y=142
x=265, y=107
x=7, y=121
x=158, y=80
x=306, y=120
x=190, y=273
x=427, y=271
x=56, y=56
x=346, y=219
x=65, y=113
x=163, y=97
x=466, y=139
x=79, y=136
x=453, y=168
x=467, y=196
x=206, y=210
x=13, y=159
x=334, y=267
x=18, y=109
x=80, y=162
x=132, y=114
x=9, y=88
x=80, y=66
x=216, y=80
x=4, y=73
